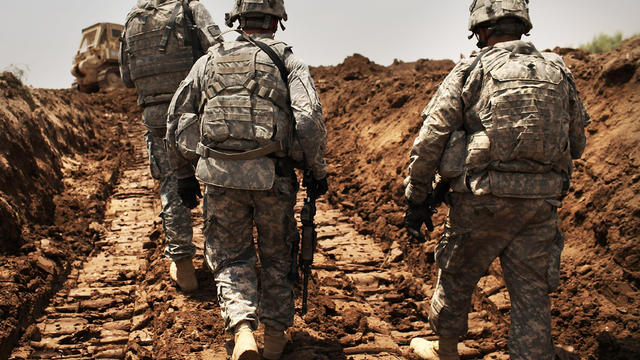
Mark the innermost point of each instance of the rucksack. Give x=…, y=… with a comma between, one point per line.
x=162, y=45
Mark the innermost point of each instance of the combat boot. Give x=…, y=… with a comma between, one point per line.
x=274, y=343
x=245, y=347
x=184, y=274
x=446, y=348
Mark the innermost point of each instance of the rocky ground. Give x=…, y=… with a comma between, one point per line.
x=83, y=274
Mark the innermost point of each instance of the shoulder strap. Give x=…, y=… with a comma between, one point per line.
x=190, y=32
x=284, y=73
x=171, y=26
x=474, y=64
x=467, y=73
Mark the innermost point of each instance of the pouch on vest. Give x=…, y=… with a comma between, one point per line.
x=188, y=136
x=478, y=152
x=257, y=174
x=452, y=162
x=526, y=185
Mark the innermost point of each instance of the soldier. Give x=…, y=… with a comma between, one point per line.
x=161, y=41
x=248, y=111
x=502, y=130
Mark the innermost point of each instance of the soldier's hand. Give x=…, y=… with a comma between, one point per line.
x=416, y=215
x=189, y=191
x=315, y=188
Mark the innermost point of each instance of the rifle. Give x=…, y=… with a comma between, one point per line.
x=309, y=240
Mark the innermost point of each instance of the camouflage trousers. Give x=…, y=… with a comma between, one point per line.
x=524, y=234
x=244, y=293
x=176, y=218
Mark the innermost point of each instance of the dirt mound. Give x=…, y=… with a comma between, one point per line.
x=373, y=119
x=60, y=152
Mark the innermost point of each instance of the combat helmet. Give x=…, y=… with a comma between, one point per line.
x=489, y=12
x=244, y=9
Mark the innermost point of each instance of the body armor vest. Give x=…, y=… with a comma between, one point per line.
x=525, y=120
x=517, y=136
x=245, y=99
x=159, y=58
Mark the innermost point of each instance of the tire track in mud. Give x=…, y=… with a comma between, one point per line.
x=364, y=303
x=100, y=308
x=380, y=305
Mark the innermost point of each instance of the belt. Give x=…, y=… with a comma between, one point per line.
x=207, y=152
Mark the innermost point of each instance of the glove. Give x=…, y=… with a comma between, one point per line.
x=189, y=191
x=315, y=188
x=416, y=215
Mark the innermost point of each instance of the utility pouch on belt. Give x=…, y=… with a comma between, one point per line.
x=453, y=159
x=187, y=136
x=478, y=154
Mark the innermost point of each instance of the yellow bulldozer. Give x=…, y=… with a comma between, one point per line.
x=95, y=65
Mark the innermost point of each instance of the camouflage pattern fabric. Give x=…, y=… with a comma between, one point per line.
x=311, y=135
x=176, y=218
x=230, y=216
x=458, y=105
x=523, y=233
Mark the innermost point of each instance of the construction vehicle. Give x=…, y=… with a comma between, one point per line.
x=95, y=65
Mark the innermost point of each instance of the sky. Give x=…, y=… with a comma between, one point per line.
x=321, y=32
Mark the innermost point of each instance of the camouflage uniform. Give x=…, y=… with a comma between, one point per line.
x=242, y=193
x=156, y=76
x=506, y=192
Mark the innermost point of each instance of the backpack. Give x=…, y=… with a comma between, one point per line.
x=162, y=46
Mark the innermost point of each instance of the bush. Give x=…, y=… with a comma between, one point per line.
x=603, y=43
x=20, y=71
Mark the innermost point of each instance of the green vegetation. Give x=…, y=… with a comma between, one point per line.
x=604, y=42
x=19, y=71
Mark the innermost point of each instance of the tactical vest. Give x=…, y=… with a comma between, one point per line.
x=245, y=98
x=519, y=145
x=245, y=116
x=158, y=57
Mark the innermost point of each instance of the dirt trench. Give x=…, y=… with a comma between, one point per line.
x=119, y=303
x=83, y=275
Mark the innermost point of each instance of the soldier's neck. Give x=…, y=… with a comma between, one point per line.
x=258, y=31
x=501, y=38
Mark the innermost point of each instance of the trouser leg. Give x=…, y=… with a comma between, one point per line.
x=525, y=264
x=230, y=253
x=277, y=234
x=176, y=218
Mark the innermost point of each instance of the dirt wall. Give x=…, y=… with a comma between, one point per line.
x=38, y=129
x=60, y=154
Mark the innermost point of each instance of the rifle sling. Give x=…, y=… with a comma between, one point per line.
x=171, y=26
x=284, y=73
x=190, y=32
